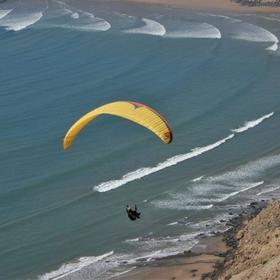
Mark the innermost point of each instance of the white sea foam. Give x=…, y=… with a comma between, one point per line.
x=217, y=223
x=251, y=186
x=163, y=246
x=124, y=15
x=268, y=190
x=253, y=123
x=132, y=240
x=215, y=15
x=189, y=201
x=194, y=30
x=17, y=22
x=272, y=18
x=252, y=170
x=97, y=24
x=69, y=268
x=197, y=179
x=142, y=172
x=84, y=21
x=249, y=32
x=75, y=15
x=4, y=13
x=94, y=25
x=150, y=27
x=173, y=224
x=219, y=188
x=254, y=33
x=180, y=204
x=182, y=221
x=273, y=47
x=111, y=265
x=122, y=273
x=218, y=197
x=153, y=244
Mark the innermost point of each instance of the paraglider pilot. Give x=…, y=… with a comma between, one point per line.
x=132, y=214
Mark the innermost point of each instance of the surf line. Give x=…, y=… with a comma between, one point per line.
x=4, y=13
x=250, y=124
x=74, y=267
x=150, y=27
x=145, y=171
x=142, y=172
x=94, y=24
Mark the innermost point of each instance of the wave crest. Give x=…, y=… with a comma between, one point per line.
x=195, y=30
x=20, y=22
x=79, y=19
x=150, y=27
x=250, y=124
x=70, y=268
x=4, y=13
x=254, y=33
x=142, y=172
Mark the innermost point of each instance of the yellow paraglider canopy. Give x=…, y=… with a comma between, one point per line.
x=133, y=111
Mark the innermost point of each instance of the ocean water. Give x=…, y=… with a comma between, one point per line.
x=215, y=77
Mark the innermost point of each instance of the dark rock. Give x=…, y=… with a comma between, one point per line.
x=253, y=203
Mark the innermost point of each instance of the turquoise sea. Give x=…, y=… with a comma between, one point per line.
x=215, y=78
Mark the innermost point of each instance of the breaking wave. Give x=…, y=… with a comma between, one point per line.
x=219, y=16
x=254, y=33
x=251, y=186
x=217, y=189
x=250, y=124
x=249, y=171
x=194, y=30
x=4, y=13
x=188, y=201
x=79, y=19
x=96, y=24
x=158, y=247
x=111, y=265
x=268, y=190
x=197, y=179
x=17, y=22
x=150, y=27
x=142, y=172
x=180, y=205
x=74, y=267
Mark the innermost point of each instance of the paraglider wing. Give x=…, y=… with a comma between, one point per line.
x=133, y=111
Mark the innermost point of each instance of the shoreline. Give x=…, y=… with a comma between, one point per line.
x=197, y=263
x=211, y=258
x=208, y=5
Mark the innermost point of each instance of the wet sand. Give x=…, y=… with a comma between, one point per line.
x=210, y=5
x=194, y=264
x=218, y=256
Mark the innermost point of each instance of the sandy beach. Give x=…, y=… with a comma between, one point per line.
x=194, y=264
x=210, y=5
x=248, y=250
